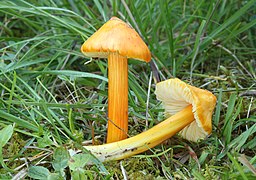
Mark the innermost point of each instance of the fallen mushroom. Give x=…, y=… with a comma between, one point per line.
x=192, y=108
x=176, y=95
x=117, y=41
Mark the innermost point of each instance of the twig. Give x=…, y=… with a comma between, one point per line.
x=148, y=96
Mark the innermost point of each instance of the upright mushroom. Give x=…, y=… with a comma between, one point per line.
x=117, y=41
x=192, y=108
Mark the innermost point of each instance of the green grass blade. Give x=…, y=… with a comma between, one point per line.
x=20, y=122
x=197, y=46
x=70, y=73
x=230, y=117
x=169, y=31
x=12, y=91
x=239, y=167
x=240, y=141
x=218, y=109
x=229, y=21
x=101, y=10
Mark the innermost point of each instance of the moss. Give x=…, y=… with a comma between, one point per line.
x=209, y=173
x=13, y=146
x=136, y=168
x=11, y=151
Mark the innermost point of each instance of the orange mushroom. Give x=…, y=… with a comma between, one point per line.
x=177, y=95
x=192, y=110
x=117, y=41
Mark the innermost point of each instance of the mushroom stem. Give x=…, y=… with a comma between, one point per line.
x=117, y=97
x=145, y=140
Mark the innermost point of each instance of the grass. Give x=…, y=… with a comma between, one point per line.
x=54, y=98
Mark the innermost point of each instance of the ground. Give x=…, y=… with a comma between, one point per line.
x=53, y=97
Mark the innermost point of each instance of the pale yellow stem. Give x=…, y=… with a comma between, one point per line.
x=145, y=140
x=117, y=97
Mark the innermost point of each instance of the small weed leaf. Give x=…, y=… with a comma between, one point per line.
x=55, y=176
x=5, y=135
x=60, y=159
x=96, y=161
x=45, y=141
x=38, y=172
x=79, y=161
x=78, y=174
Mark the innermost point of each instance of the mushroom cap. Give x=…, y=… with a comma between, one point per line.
x=176, y=95
x=116, y=36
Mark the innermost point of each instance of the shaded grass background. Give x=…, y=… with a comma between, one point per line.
x=56, y=96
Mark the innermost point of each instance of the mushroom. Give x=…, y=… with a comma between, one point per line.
x=176, y=95
x=117, y=41
x=192, y=110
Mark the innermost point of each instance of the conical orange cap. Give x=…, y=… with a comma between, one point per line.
x=116, y=36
